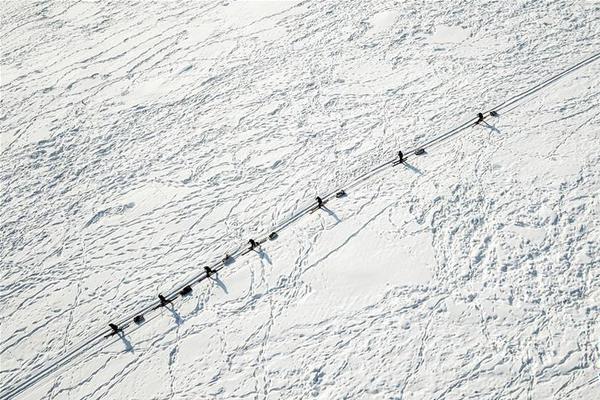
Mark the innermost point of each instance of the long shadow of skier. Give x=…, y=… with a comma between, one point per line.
x=176, y=316
x=263, y=254
x=412, y=168
x=126, y=342
x=330, y=212
x=220, y=283
x=491, y=127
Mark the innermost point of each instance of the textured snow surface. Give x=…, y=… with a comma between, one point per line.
x=142, y=141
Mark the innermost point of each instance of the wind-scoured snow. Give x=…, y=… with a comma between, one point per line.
x=142, y=141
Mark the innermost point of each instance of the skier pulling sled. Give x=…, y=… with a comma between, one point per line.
x=480, y=120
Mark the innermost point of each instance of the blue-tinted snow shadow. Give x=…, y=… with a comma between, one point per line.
x=330, y=212
x=176, y=316
x=491, y=127
x=220, y=283
x=264, y=256
x=126, y=342
x=412, y=168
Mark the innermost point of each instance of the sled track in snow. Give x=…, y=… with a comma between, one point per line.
x=127, y=322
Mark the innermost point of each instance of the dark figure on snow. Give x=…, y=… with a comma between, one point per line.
x=209, y=271
x=479, y=118
x=319, y=202
x=253, y=244
x=114, y=328
x=163, y=300
x=400, y=157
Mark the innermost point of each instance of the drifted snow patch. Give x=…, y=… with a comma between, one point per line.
x=382, y=22
x=118, y=210
x=448, y=34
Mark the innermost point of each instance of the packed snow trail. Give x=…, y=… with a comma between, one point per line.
x=126, y=322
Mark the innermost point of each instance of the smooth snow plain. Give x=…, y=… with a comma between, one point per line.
x=143, y=140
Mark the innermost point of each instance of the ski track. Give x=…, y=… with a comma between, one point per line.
x=141, y=141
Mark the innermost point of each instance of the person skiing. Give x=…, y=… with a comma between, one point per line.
x=479, y=118
x=163, y=300
x=209, y=271
x=253, y=244
x=115, y=328
x=319, y=202
x=400, y=157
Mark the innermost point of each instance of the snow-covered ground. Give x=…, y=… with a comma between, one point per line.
x=142, y=141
